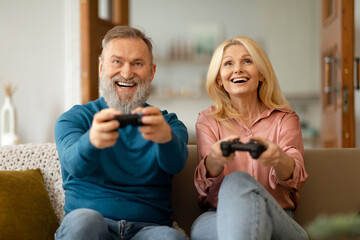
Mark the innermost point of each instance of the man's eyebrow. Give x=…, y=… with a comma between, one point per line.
x=116, y=56
x=133, y=60
x=138, y=59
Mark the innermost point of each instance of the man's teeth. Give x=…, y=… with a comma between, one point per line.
x=239, y=80
x=125, y=84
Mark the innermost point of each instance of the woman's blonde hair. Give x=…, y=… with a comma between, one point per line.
x=269, y=92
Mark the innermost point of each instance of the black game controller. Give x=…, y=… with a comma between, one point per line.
x=129, y=119
x=254, y=148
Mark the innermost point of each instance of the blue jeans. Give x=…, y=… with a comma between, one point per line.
x=246, y=211
x=87, y=224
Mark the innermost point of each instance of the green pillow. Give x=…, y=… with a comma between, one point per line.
x=25, y=208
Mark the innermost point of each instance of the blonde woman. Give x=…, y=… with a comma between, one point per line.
x=247, y=198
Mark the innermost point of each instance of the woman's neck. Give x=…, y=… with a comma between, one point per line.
x=249, y=108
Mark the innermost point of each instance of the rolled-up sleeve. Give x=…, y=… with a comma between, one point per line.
x=290, y=140
x=208, y=188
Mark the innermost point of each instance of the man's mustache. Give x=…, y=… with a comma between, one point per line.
x=119, y=78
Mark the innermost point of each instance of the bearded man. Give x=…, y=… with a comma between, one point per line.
x=117, y=179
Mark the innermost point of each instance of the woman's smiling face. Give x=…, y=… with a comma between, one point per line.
x=238, y=73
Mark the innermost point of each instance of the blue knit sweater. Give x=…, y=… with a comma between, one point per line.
x=129, y=181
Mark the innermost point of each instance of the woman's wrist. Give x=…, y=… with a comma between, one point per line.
x=213, y=167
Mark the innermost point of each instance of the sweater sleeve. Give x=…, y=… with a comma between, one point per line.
x=76, y=153
x=172, y=155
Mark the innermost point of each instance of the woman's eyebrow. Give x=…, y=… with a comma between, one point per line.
x=243, y=56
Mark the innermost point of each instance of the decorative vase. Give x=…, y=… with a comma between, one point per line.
x=7, y=122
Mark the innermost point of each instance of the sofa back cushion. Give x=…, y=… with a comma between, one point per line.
x=184, y=193
x=333, y=185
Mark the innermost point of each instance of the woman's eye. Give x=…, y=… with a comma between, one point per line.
x=227, y=64
x=247, y=61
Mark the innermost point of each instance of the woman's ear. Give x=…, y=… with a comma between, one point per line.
x=219, y=82
x=261, y=79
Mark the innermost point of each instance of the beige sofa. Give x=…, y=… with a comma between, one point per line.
x=332, y=187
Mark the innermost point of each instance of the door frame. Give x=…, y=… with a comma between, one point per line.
x=93, y=30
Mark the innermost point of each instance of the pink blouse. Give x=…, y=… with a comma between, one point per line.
x=279, y=126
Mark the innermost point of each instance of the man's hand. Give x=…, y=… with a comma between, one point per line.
x=155, y=127
x=103, y=132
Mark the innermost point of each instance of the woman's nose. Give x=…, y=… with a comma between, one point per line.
x=126, y=71
x=238, y=68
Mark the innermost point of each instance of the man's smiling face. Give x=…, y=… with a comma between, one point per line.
x=126, y=71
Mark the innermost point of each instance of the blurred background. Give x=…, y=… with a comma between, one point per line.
x=40, y=45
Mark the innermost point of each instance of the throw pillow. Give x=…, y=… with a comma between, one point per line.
x=25, y=208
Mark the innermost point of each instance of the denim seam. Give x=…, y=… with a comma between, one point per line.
x=255, y=231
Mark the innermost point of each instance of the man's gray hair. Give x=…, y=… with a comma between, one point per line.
x=127, y=32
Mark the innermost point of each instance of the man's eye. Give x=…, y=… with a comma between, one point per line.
x=116, y=61
x=138, y=64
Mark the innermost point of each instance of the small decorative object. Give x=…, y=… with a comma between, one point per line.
x=7, y=121
x=341, y=226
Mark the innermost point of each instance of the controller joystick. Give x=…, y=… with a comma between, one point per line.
x=129, y=119
x=254, y=148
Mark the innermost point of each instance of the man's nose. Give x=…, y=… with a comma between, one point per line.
x=126, y=71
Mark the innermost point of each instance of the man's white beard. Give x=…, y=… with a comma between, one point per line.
x=127, y=101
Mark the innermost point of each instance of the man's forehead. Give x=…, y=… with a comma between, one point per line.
x=127, y=45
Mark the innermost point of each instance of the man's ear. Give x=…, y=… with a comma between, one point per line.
x=100, y=67
x=153, y=70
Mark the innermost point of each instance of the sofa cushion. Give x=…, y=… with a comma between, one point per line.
x=25, y=207
x=39, y=155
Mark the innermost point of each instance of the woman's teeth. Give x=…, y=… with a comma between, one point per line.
x=239, y=80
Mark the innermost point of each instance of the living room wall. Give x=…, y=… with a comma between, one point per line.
x=32, y=46
x=35, y=59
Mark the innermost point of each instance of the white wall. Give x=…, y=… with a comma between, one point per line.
x=32, y=58
x=32, y=46
x=287, y=30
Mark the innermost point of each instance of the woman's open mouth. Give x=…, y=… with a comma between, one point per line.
x=239, y=80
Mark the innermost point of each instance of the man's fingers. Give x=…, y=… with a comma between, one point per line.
x=106, y=115
x=152, y=119
x=150, y=111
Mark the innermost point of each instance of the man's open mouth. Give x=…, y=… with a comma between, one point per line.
x=125, y=84
x=239, y=80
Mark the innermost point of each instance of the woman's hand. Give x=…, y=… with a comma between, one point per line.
x=275, y=157
x=215, y=161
